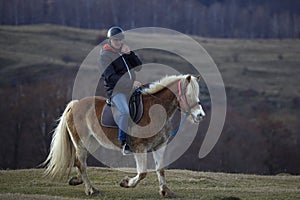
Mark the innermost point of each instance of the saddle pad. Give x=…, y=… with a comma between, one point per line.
x=107, y=118
x=135, y=109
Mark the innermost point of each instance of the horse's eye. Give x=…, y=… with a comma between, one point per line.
x=198, y=102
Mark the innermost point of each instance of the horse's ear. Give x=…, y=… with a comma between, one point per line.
x=198, y=77
x=188, y=79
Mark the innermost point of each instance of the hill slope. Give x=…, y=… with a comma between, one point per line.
x=38, y=66
x=28, y=52
x=29, y=184
x=261, y=65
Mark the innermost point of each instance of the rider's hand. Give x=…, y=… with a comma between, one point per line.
x=125, y=49
x=137, y=84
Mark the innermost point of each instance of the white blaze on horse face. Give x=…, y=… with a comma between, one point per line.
x=202, y=113
x=198, y=113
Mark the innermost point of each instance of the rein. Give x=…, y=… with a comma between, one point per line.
x=174, y=132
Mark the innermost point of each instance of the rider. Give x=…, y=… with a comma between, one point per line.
x=117, y=60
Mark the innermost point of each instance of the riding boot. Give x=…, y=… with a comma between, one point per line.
x=125, y=148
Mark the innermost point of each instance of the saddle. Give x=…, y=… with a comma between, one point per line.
x=135, y=109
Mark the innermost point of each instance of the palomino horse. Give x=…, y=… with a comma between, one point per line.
x=80, y=125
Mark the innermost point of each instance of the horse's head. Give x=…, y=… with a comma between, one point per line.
x=188, y=89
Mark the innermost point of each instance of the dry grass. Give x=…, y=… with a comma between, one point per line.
x=30, y=184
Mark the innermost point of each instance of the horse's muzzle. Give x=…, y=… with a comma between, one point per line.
x=198, y=117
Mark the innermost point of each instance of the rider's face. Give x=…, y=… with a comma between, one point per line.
x=116, y=43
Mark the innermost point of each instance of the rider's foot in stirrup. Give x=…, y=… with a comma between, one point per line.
x=126, y=149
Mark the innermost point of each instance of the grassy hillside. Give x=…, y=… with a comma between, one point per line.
x=269, y=66
x=29, y=184
x=263, y=65
x=28, y=52
x=38, y=65
x=261, y=76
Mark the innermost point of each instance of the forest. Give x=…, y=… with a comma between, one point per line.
x=207, y=18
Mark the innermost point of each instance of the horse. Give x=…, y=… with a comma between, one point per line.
x=80, y=125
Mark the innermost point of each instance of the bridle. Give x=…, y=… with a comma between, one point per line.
x=182, y=98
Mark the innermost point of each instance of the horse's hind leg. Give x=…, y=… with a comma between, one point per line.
x=81, y=156
x=159, y=158
x=76, y=180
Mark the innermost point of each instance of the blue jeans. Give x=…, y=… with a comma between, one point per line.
x=120, y=101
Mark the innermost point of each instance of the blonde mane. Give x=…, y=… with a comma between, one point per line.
x=193, y=87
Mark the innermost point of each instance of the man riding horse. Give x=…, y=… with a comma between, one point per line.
x=117, y=60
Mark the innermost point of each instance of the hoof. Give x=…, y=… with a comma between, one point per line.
x=124, y=182
x=75, y=181
x=165, y=192
x=93, y=192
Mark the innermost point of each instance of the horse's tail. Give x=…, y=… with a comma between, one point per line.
x=62, y=152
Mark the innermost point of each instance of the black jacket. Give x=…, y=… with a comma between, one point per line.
x=113, y=66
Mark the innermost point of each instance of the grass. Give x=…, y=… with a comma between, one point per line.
x=269, y=67
x=30, y=184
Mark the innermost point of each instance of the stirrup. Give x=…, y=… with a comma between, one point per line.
x=126, y=150
x=109, y=102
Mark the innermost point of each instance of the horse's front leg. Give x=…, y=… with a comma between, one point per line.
x=159, y=161
x=141, y=166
